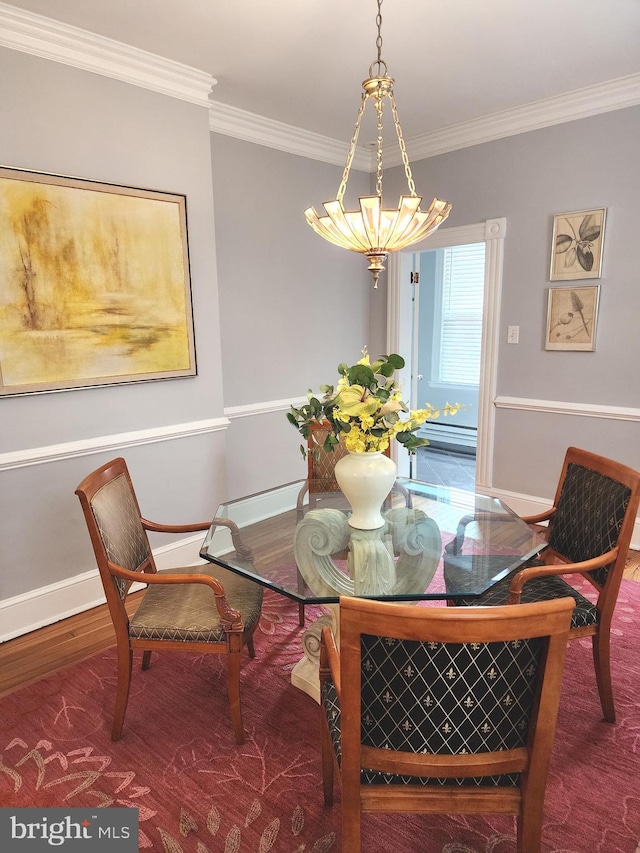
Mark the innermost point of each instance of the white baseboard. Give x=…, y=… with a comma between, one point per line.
x=35, y=609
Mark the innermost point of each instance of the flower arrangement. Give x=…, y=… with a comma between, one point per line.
x=365, y=409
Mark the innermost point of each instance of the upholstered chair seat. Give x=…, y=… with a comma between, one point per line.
x=542, y=589
x=189, y=614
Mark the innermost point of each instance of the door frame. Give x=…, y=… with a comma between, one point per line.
x=400, y=323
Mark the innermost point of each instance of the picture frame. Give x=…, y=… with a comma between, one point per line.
x=95, y=284
x=576, y=245
x=572, y=316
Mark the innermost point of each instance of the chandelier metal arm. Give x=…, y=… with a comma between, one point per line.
x=352, y=149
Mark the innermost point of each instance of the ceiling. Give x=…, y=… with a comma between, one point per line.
x=301, y=62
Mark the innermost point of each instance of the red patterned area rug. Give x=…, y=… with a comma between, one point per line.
x=197, y=791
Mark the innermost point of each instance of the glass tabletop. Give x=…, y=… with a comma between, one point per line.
x=436, y=543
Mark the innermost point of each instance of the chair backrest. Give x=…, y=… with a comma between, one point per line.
x=596, y=506
x=465, y=696
x=118, y=537
x=321, y=463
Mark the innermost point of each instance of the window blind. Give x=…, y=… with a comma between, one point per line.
x=462, y=302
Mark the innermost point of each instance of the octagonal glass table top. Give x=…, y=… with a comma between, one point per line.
x=436, y=543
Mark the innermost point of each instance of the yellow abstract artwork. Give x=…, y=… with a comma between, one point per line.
x=94, y=284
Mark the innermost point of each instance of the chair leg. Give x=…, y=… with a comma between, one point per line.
x=146, y=659
x=250, y=647
x=602, y=662
x=234, y=695
x=125, y=665
x=351, y=816
x=326, y=747
x=301, y=615
x=529, y=836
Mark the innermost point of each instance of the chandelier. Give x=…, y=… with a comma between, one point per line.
x=374, y=230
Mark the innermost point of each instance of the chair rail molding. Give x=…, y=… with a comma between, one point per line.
x=557, y=407
x=87, y=446
x=50, y=39
x=252, y=409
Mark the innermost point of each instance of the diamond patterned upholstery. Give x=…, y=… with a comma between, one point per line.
x=118, y=519
x=408, y=709
x=204, y=609
x=589, y=516
x=540, y=589
x=594, y=511
x=189, y=613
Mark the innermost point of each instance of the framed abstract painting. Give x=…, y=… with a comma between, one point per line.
x=94, y=284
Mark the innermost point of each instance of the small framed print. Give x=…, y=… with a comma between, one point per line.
x=572, y=315
x=576, y=247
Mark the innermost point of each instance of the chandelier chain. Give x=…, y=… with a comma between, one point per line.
x=379, y=140
x=352, y=150
x=403, y=150
x=379, y=25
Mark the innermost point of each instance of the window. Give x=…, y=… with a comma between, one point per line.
x=460, y=288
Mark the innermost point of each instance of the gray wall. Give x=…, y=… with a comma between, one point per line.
x=282, y=307
x=291, y=308
x=292, y=305
x=527, y=179
x=59, y=119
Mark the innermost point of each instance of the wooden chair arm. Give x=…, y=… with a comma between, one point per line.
x=230, y=619
x=541, y=516
x=519, y=580
x=243, y=551
x=174, y=528
x=329, y=659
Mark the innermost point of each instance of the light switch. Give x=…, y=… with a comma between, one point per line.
x=513, y=334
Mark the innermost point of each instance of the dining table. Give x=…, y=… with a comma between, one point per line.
x=437, y=544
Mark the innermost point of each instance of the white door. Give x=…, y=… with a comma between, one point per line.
x=448, y=309
x=402, y=338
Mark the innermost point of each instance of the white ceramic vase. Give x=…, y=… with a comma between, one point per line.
x=366, y=480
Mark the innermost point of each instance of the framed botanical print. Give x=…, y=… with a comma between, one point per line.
x=572, y=315
x=94, y=284
x=576, y=249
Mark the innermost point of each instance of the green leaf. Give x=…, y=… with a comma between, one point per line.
x=361, y=374
x=397, y=361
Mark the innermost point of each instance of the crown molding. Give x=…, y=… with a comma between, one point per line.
x=241, y=124
x=581, y=103
x=42, y=36
x=50, y=39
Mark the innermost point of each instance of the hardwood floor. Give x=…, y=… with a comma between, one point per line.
x=33, y=656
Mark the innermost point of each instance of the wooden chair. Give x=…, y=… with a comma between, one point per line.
x=589, y=532
x=442, y=710
x=202, y=609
